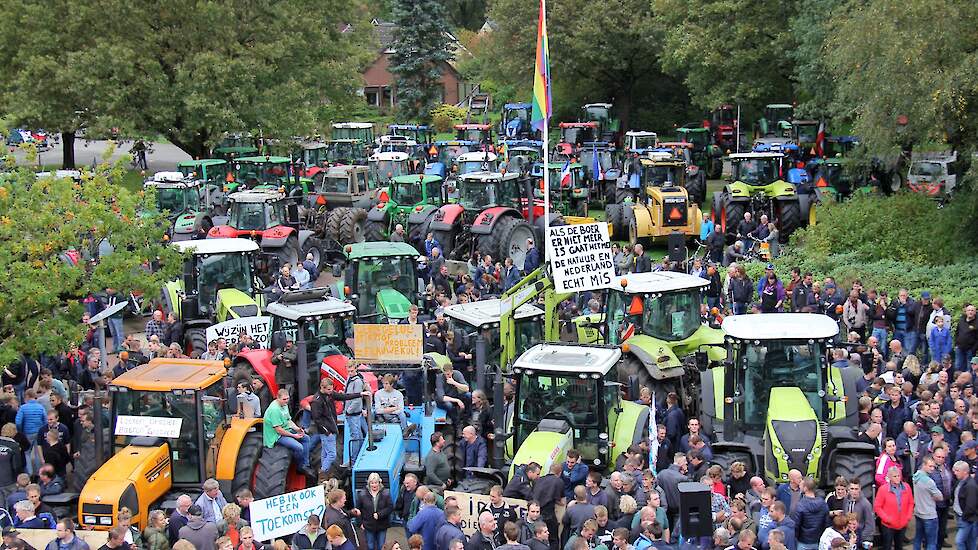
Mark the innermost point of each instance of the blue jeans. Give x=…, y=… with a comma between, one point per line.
x=400, y=418
x=880, y=334
x=298, y=447
x=900, y=335
x=739, y=308
x=925, y=534
x=807, y=546
x=967, y=534
x=115, y=329
x=327, y=450
x=356, y=424
x=961, y=359
x=375, y=539
x=910, y=342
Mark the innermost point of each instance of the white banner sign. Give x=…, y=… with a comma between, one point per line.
x=580, y=257
x=257, y=328
x=148, y=426
x=283, y=515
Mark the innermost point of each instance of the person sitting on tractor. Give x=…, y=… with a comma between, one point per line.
x=279, y=429
x=389, y=405
x=452, y=392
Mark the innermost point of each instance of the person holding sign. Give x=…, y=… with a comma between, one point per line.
x=279, y=429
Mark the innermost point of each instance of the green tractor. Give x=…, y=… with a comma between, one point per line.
x=190, y=204
x=776, y=121
x=362, y=132
x=778, y=404
x=413, y=201
x=608, y=126
x=345, y=151
x=804, y=133
x=212, y=172
x=656, y=319
x=705, y=155
x=236, y=146
x=218, y=284
x=569, y=196
x=756, y=186
x=381, y=280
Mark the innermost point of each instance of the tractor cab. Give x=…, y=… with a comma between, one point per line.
x=175, y=193
x=169, y=431
x=568, y=396
x=481, y=190
x=340, y=185
x=234, y=146
x=413, y=190
x=259, y=172
x=569, y=192
x=640, y=141
x=480, y=161
x=600, y=114
x=385, y=165
x=521, y=155
x=573, y=135
x=477, y=133
x=804, y=133
x=662, y=169
x=778, y=404
x=255, y=212
x=419, y=134
x=362, y=132
x=398, y=144
x=218, y=281
x=381, y=280
x=777, y=119
x=515, y=121
x=312, y=156
x=448, y=151
x=210, y=171
x=345, y=151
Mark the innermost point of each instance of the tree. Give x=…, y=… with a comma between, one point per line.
x=907, y=58
x=728, y=50
x=421, y=48
x=466, y=14
x=185, y=69
x=815, y=87
x=41, y=292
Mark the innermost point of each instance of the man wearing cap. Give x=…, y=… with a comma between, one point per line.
x=969, y=454
x=200, y=533
x=830, y=301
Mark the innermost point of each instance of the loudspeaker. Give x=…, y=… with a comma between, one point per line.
x=676, y=242
x=695, y=510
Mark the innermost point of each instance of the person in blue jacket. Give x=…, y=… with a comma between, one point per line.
x=574, y=473
x=939, y=340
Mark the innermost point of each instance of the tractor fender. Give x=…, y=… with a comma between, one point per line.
x=227, y=453
x=544, y=448
x=417, y=217
x=377, y=214
x=222, y=232
x=445, y=217
x=632, y=425
x=644, y=223
x=304, y=235
x=186, y=224
x=781, y=189
x=260, y=361
x=486, y=221
x=704, y=336
x=276, y=236
x=656, y=355
x=171, y=297
x=738, y=190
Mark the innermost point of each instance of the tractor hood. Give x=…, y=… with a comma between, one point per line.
x=777, y=188
x=148, y=467
x=234, y=304
x=392, y=304
x=543, y=447
x=794, y=435
x=185, y=223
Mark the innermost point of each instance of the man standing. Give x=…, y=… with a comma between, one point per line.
x=437, y=472
x=200, y=533
x=355, y=415
x=669, y=480
x=810, y=517
x=803, y=295
x=859, y=505
x=397, y=236
x=501, y=512
x=65, y=538
x=279, y=429
x=532, y=259
x=179, y=517
x=549, y=491
x=519, y=485
x=901, y=314
x=451, y=529
x=474, y=451
x=944, y=480
x=211, y=501
x=156, y=327
x=302, y=277
x=573, y=472
x=965, y=338
x=641, y=263
x=894, y=506
x=323, y=411
x=485, y=537
x=427, y=521
x=965, y=506
x=926, y=495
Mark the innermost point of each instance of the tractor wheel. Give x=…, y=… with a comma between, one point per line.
x=891, y=182
x=352, y=225
x=630, y=371
x=730, y=215
x=447, y=240
x=332, y=224
x=288, y=254
x=614, y=214
x=273, y=472
x=696, y=188
x=633, y=236
x=716, y=169
x=621, y=195
x=726, y=458
x=315, y=247
x=609, y=192
x=790, y=217
x=581, y=208
x=247, y=460
x=853, y=465
x=197, y=338
x=806, y=206
x=375, y=231
x=508, y=240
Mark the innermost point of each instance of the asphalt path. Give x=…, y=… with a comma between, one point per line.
x=164, y=155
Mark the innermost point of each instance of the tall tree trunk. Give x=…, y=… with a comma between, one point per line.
x=68, y=150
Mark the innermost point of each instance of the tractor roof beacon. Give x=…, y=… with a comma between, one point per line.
x=778, y=403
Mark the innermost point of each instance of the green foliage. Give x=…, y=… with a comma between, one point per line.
x=185, y=69
x=421, y=49
x=907, y=57
x=815, y=88
x=444, y=116
x=466, y=14
x=40, y=219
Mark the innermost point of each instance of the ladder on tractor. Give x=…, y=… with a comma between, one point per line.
x=477, y=104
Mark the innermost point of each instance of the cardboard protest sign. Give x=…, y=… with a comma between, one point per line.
x=580, y=257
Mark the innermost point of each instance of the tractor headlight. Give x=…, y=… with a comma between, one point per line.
x=603, y=436
x=597, y=461
x=89, y=519
x=105, y=520
x=810, y=457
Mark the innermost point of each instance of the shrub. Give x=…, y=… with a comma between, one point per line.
x=444, y=116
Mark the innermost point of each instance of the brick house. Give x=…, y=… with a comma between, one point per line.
x=379, y=89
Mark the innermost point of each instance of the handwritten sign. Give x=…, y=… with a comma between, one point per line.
x=257, y=328
x=148, y=426
x=388, y=344
x=283, y=515
x=471, y=505
x=580, y=257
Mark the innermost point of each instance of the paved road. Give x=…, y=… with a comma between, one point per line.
x=164, y=156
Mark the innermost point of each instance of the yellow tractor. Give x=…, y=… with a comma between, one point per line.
x=663, y=208
x=171, y=430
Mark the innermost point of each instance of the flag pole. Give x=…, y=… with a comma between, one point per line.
x=546, y=150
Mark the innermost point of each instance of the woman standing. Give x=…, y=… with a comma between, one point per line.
x=886, y=460
x=154, y=535
x=375, y=511
x=771, y=291
x=231, y=523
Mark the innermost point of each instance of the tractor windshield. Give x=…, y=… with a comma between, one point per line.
x=248, y=216
x=596, y=113
x=213, y=174
x=673, y=316
x=164, y=405
x=476, y=194
x=777, y=114
x=480, y=165
x=258, y=173
x=342, y=152
x=219, y=271
x=776, y=363
x=806, y=133
x=335, y=184
x=394, y=272
x=383, y=170
x=699, y=138
x=756, y=171
x=448, y=153
x=576, y=134
x=173, y=199
x=314, y=156
x=643, y=142
x=471, y=134
x=605, y=160
x=562, y=397
x=724, y=117
x=407, y=192
x=324, y=337
x=927, y=169
x=658, y=175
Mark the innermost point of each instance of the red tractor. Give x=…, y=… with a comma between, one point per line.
x=493, y=216
x=723, y=127
x=478, y=133
x=573, y=136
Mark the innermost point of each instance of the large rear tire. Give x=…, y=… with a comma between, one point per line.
x=374, y=231
x=247, y=461
x=790, y=217
x=352, y=226
x=696, y=188
x=860, y=466
x=726, y=458
x=197, y=338
x=632, y=373
x=315, y=247
x=731, y=213
x=447, y=240
x=508, y=240
x=614, y=214
x=288, y=254
x=273, y=472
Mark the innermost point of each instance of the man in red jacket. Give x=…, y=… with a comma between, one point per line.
x=894, y=507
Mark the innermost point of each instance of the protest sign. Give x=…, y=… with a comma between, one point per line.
x=257, y=328
x=388, y=344
x=471, y=505
x=148, y=426
x=283, y=515
x=580, y=257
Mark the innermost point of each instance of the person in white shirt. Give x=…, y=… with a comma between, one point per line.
x=301, y=275
x=389, y=404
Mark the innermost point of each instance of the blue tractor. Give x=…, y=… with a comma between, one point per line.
x=515, y=122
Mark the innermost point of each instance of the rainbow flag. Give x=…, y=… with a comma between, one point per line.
x=541, y=75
